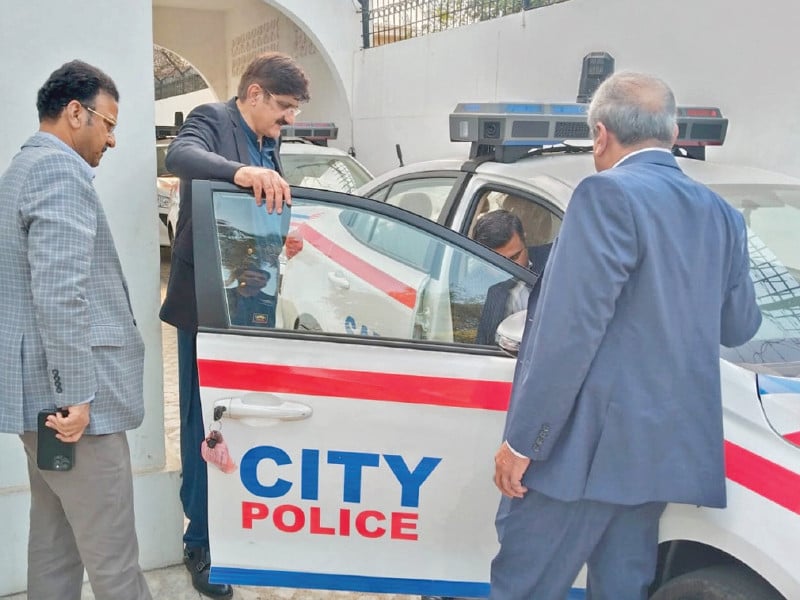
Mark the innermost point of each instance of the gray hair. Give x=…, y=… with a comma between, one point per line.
x=635, y=107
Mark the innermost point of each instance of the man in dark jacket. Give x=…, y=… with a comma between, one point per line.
x=502, y=231
x=235, y=141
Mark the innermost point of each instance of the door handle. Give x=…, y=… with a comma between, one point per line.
x=338, y=279
x=262, y=406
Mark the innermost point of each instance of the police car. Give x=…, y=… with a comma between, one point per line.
x=363, y=425
x=166, y=191
x=307, y=161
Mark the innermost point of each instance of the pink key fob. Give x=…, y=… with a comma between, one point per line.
x=214, y=451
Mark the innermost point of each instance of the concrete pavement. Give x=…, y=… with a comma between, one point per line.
x=174, y=583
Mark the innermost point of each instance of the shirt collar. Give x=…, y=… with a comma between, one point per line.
x=268, y=142
x=69, y=149
x=627, y=156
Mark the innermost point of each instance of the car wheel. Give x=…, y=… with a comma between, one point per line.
x=728, y=582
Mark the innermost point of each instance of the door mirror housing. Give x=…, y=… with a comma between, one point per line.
x=509, y=332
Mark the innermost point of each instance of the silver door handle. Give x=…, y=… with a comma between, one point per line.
x=338, y=279
x=263, y=406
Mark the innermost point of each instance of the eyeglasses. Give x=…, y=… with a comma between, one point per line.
x=110, y=122
x=284, y=106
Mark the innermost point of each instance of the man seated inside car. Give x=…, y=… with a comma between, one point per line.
x=247, y=303
x=502, y=231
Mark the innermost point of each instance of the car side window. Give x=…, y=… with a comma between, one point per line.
x=396, y=240
x=422, y=196
x=540, y=223
x=346, y=270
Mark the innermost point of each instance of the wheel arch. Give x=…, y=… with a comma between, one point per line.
x=678, y=557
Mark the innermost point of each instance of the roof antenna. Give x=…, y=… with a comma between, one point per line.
x=597, y=66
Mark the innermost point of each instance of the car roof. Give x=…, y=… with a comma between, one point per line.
x=560, y=173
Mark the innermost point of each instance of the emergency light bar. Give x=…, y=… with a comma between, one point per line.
x=315, y=132
x=700, y=126
x=507, y=131
x=165, y=131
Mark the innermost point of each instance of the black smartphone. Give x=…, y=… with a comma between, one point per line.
x=51, y=453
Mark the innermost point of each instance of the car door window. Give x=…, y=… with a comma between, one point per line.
x=347, y=270
x=423, y=196
x=540, y=223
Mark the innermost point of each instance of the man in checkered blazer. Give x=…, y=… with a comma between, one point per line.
x=70, y=342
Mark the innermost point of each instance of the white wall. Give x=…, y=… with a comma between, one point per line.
x=167, y=107
x=32, y=46
x=737, y=55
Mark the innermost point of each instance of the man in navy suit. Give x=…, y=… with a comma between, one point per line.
x=616, y=407
x=235, y=141
x=502, y=231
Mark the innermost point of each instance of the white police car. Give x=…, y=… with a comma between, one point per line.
x=307, y=161
x=364, y=424
x=166, y=193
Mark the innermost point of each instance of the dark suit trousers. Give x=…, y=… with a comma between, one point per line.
x=84, y=518
x=545, y=542
x=194, y=482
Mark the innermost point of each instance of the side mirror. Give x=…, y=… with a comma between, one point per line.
x=509, y=332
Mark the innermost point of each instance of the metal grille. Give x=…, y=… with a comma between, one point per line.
x=572, y=131
x=386, y=21
x=174, y=76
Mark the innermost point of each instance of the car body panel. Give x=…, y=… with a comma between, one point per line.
x=377, y=396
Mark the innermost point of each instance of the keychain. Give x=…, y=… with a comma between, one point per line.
x=214, y=449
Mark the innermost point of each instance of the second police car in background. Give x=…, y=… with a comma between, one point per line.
x=307, y=161
x=364, y=423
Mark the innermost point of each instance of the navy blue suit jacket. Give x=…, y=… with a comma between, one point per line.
x=616, y=395
x=211, y=144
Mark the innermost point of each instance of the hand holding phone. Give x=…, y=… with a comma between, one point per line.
x=51, y=453
x=70, y=421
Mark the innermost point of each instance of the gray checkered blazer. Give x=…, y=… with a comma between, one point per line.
x=66, y=323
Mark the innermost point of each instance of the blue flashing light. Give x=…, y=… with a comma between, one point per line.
x=569, y=109
x=523, y=109
x=539, y=143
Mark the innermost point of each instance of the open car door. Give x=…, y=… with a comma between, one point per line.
x=360, y=416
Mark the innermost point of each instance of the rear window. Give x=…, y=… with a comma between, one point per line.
x=327, y=172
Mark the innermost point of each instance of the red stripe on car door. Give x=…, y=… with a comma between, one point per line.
x=363, y=385
x=754, y=472
x=360, y=268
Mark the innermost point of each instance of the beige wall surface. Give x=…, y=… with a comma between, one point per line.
x=220, y=41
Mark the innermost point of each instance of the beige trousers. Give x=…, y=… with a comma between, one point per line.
x=84, y=518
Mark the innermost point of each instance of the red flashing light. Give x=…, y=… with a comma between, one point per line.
x=702, y=112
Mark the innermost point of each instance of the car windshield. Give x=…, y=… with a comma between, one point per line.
x=772, y=214
x=324, y=171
